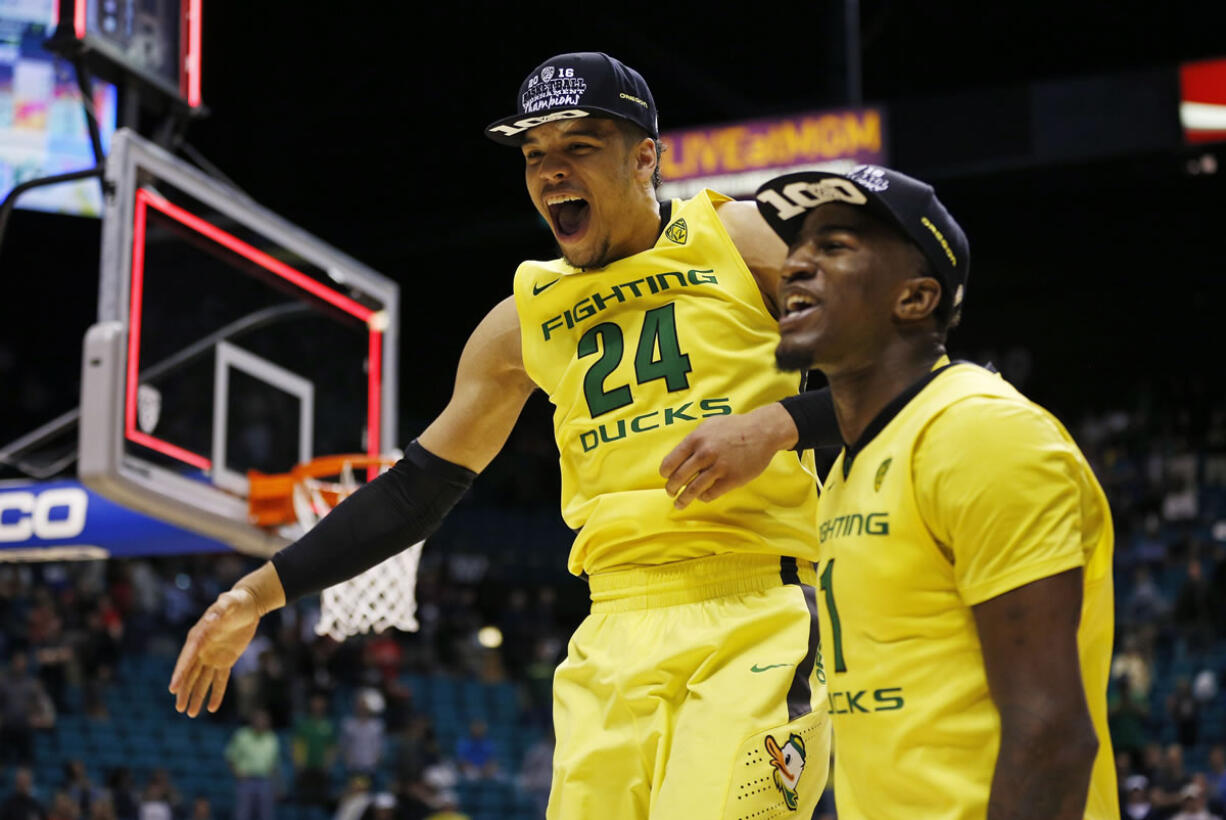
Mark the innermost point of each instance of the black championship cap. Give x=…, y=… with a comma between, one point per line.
x=901, y=200
x=581, y=84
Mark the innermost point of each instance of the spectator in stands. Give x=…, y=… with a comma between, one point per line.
x=536, y=773
x=437, y=783
x=1170, y=779
x=24, y=709
x=1193, y=806
x=383, y=653
x=476, y=754
x=253, y=754
x=102, y=809
x=55, y=659
x=77, y=786
x=416, y=747
x=399, y=712
x=21, y=804
x=314, y=749
x=362, y=735
x=202, y=809
x=1151, y=549
x=1128, y=718
x=1217, y=773
x=155, y=802
x=1146, y=604
x=1184, y=710
x=63, y=807
x=123, y=796
x=1133, y=662
x=449, y=808
x=159, y=779
x=272, y=690
x=1180, y=503
x=538, y=682
x=244, y=678
x=1194, y=609
x=112, y=619
x=1135, y=804
x=1212, y=803
x=98, y=652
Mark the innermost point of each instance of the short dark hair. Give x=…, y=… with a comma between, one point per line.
x=633, y=134
x=946, y=314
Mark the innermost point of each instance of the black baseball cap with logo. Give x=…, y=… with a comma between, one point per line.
x=580, y=84
x=908, y=204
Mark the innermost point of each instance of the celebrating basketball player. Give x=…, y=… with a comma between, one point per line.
x=965, y=543
x=695, y=687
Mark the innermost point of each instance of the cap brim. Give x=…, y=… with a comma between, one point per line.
x=522, y=123
x=791, y=197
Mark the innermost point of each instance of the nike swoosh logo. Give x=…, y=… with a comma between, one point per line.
x=756, y=668
x=537, y=289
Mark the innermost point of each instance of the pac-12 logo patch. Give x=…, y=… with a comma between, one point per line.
x=788, y=761
x=678, y=232
x=881, y=471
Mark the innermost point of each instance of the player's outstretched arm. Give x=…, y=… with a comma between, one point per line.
x=390, y=513
x=490, y=390
x=214, y=644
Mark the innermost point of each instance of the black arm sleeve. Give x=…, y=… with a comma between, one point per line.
x=389, y=514
x=813, y=413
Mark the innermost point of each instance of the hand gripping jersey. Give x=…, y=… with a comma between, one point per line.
x=963, y=491
x=633, y=356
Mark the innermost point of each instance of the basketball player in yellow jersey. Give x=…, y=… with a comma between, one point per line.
x=694, y=688
x=965, y=570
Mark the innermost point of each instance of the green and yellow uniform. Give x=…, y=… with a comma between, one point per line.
x=961, y=490
x=686, y=604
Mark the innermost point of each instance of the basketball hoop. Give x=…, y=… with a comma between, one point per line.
x=383, y=596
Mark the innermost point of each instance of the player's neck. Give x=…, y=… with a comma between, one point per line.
x=861, y=392
x=640, y=228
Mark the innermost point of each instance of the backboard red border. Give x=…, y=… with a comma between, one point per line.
x=146, y=199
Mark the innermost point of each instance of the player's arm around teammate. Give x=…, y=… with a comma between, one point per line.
x=727, y=452
x=490, y=390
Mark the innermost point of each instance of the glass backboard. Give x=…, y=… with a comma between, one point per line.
x=228, y=340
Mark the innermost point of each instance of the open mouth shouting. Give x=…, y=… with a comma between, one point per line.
x=797, y=307
x=569, y=214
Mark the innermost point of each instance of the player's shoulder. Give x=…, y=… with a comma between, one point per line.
x=740, y=219
x=989, y=428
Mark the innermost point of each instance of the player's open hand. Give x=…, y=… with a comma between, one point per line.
x=724, y=453
x=211, y=648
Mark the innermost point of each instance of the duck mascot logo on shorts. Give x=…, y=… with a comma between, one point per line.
x=788, y=761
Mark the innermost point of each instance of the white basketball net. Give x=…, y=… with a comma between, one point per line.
x=383, y=596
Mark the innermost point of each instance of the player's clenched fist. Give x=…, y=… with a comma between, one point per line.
x=211, y=648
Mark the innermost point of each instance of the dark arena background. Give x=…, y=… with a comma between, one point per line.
x=1052, y=131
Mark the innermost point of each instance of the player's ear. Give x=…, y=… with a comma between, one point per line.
x=645, y=158
x=918, y=297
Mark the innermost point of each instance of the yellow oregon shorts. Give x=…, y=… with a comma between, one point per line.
x=693, y=691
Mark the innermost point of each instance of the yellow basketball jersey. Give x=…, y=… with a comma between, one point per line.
x=633, y=356
x=916, y=731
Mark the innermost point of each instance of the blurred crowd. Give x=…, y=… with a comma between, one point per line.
x=64, y=628
x=330, y=707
